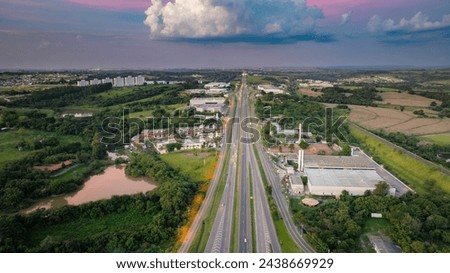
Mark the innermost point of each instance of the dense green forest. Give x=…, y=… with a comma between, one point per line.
x=363, y=96
x=139, y=223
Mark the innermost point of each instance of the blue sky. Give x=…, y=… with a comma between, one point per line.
x=59, y=34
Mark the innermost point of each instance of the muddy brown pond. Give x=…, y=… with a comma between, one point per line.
x=113, y=181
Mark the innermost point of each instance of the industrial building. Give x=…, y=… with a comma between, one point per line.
x=334, y=181
x=330, y=175
x=270, y=89
x=217, y=85
x=214, y=105
x=296, y=184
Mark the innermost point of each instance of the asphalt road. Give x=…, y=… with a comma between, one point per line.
x=220, y=237
x=266, y=236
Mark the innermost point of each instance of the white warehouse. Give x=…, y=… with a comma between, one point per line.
x=330, y=175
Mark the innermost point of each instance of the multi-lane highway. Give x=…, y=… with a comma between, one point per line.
x=242, y=170
x=220, y=236
x=266, y=236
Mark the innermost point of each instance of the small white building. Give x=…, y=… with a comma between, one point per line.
x=296, y=184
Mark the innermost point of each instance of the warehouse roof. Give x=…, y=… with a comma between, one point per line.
x=337, y=162
x=343, y=178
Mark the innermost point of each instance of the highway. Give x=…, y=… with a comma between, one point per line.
x=266, y=236
x=242, y=160
x=220, y=236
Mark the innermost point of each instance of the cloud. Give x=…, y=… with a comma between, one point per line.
x=43, y=44
x=418, y=23
x=346, y=17
x=232, y=20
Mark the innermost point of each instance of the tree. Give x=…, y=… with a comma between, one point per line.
x=291, y=147
x=21, y=133
x=304, y=145
x=98, y=148
x=382, y=189
x=346, y=150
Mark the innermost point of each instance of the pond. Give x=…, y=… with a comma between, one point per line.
x=113, y=181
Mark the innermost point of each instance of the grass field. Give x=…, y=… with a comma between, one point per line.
x=118, y=92
x=441, y=139
x=10, y=139
x=257, y=80
x=194, y=166
x=407, y=168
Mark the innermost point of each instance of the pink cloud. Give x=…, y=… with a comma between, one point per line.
x=338, y=7
x=115, y=4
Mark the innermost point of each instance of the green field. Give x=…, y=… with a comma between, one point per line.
x=441, y=139
x=118, y=92
x=10, y=139
x=407, y=168
x=194, y=166
x=257, y=80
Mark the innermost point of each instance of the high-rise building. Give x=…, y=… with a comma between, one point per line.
x=82, y=83
x=94, y=82
x=119, y=82
x=129, y=81
x=107, y=80
x=139, y=80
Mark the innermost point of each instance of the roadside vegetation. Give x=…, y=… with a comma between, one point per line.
x=408, y=169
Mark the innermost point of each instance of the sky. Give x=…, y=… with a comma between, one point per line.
x=165, y=34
